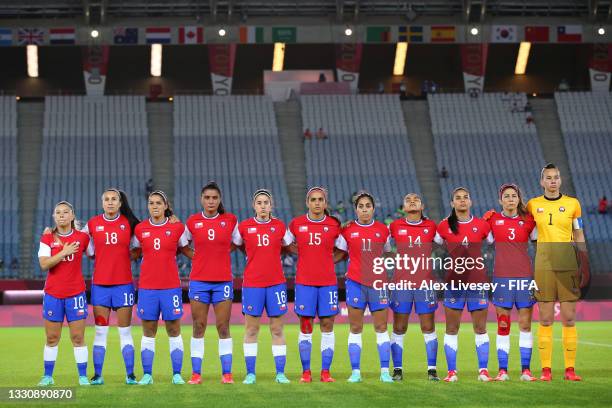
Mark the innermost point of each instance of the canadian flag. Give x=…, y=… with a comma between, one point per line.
x=191, y=35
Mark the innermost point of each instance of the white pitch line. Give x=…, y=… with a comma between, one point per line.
x=586, y=343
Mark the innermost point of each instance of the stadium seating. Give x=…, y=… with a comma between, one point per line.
x=484, y=142
x=89, y=144
x=586, y=123
x=234, y=141
x=367, y=148
x=9, y=216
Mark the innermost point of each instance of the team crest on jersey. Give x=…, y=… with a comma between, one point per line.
x=402, y=232
x=475, y=229
x=540, y=210
x=222, y=224
x=199, y=225
x=55, y=245
x=561, y=209
x=252, y=230
x=425, y=230
x=272, y=229
x=122, y=226
x=378, y=235
x=354, y=234
x=100, y=228
x=146, y=234
x=325, y=229
x=303, y=228
x=168, y=233
x=521, y=223
x=499, y=222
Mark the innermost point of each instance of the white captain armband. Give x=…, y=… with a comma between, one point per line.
x=577, y=223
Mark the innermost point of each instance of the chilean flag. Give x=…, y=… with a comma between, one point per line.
x=569, y=33
x=191, y=35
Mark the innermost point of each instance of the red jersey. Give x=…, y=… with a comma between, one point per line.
x=315, y=242
x=466, y=244
x=212, y=240
x=364, y=243
x=66, y=278
x=110, y=243
x=262, y=242
x=511, y=235
x=414, y=239
x=159, y=243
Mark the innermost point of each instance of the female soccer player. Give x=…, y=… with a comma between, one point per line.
x=366, y=239
x=512, y=229
x=210, y=281
x=414, y=237
x=557, y=274
x=264, y=285
x=316, y=290
x=160, y=288
x=111, y=234
x=463, y=235
x=61, y=254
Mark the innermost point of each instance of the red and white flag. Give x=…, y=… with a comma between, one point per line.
x=569, y=33
x=191, y=35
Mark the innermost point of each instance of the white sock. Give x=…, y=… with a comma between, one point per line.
x=279, y=350
x=101, y=335
x=526, y=339
x=355, y=339
x=81, y=354
x=176, y=343
x=304, y=337
x=451, y=340
x=503, y=343
x=147, y=343
x=250, y=349
x=382, y=338
x=328, y=340
x=225, y=346
x=50, y=353
x=430, y=337
x=481, y=339
x=197, y=348
x=125, y=337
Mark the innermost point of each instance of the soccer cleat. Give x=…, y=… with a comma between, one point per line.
x=177, y=379
x=281, y=378
x=527, y=376
x=571, y=375
x=195, y=379
x=386, y=377
x=452, y=376
x=46, y=381
x=227, y=378
x=432, y=375
x=146, y=379
x=502, y=375
x=546, y=374
x=306, y=377
x=97, y=380
x=326, y=377
x=355, y=377
x=131, y=379
x=249, y=379
x=83, y=380
x=397, y=374
x=483, y=375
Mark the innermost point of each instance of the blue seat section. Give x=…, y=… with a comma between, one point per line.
x=234, y=141
x=9, y=205
x=90, y=144
x=484, y=142
x=586, y=123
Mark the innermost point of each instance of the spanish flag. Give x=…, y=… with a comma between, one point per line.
x=442, y=33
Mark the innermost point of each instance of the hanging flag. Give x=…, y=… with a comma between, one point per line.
x=442, y=33
x=27, y=36
x=6, y=36
x=569, y=33
x=222, y=58
x=378, y=34
x=123, y=35
x=95, y=67
x=410, y=34
x=158, y=35
x=62, y=36
x=474, y=64
x=503, y=34
x=284, y=34
x=537, y=34
x=190, y=35
x=251, y=34
x=348, y=63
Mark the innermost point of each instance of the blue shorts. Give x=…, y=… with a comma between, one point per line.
x=512, y=291
x=211, y=292
x=113, y=296
x=457, y=299
x=425, y=301
x=73, y=308
x=359, y=296
x=312, y=301
x=152, y=302
x=272, y=298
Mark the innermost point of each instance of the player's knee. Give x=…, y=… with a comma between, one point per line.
x=426, y=327
x=199, y=328
x=306, y=325
x=77, y=339
x=101, y=321
x=173, y=331
x=251, y=331
x=356, y=328
x=52, y=339
x=503, y=325
x=327, y=326
x=223, y=330
x=276, y=331
x=380, y=327
x=545, y=321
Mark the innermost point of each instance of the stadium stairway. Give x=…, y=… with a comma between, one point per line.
x=289, y=124
x=29, y=142
x=418, y=125
x=551, y=139
x=161, y=143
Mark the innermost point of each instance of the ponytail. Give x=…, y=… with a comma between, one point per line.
x=127, y=212
x=453, y=222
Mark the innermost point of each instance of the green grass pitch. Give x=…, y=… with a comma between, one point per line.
x=21, y=366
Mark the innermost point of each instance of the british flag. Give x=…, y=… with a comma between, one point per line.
x=27, y=36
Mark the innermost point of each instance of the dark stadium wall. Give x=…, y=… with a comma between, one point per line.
x=440, y=63
x=251, y=61
x=310, y=56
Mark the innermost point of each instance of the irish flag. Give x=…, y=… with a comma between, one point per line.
x=251, y=35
